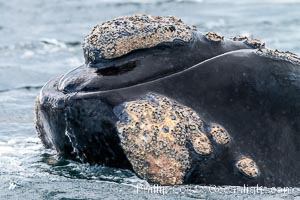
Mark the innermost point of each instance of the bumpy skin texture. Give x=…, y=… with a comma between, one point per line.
x=154, y=133
x=219, y=134
x=248, y=167
x=253, y=94
x=110, y=39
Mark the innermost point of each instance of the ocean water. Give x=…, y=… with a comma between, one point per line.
x=42, y=39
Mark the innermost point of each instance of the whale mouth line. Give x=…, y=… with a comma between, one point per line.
x=143, y=65
x=130, y=67
x=166, y=75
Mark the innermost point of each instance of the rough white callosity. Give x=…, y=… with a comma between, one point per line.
x=154, y=133
x=122, y=35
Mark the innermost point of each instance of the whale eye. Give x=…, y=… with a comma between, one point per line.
x=117, y=69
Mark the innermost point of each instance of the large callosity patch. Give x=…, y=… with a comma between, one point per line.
x=122, y=35
x=163, y=139
x=154, y=133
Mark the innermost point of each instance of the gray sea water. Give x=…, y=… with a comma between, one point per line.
x=41, y=39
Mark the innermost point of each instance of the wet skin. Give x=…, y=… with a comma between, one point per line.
x=255, y=97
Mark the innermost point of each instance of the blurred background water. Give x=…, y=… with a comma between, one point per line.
x=41, y=39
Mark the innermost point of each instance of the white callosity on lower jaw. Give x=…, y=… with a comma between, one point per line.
x=122, y=35
x=154, y=137
x=154, y=133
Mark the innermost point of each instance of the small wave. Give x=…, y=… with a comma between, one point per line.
x=29, y=87
x=189, y=1
x=132, y=1
x=215, y=24
x=27, y=54
x=138, y=2
x=263, y=2
x=54, y=42
x=283, y=1
x=73, y=44
x=75, y=170
x=42, y=45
